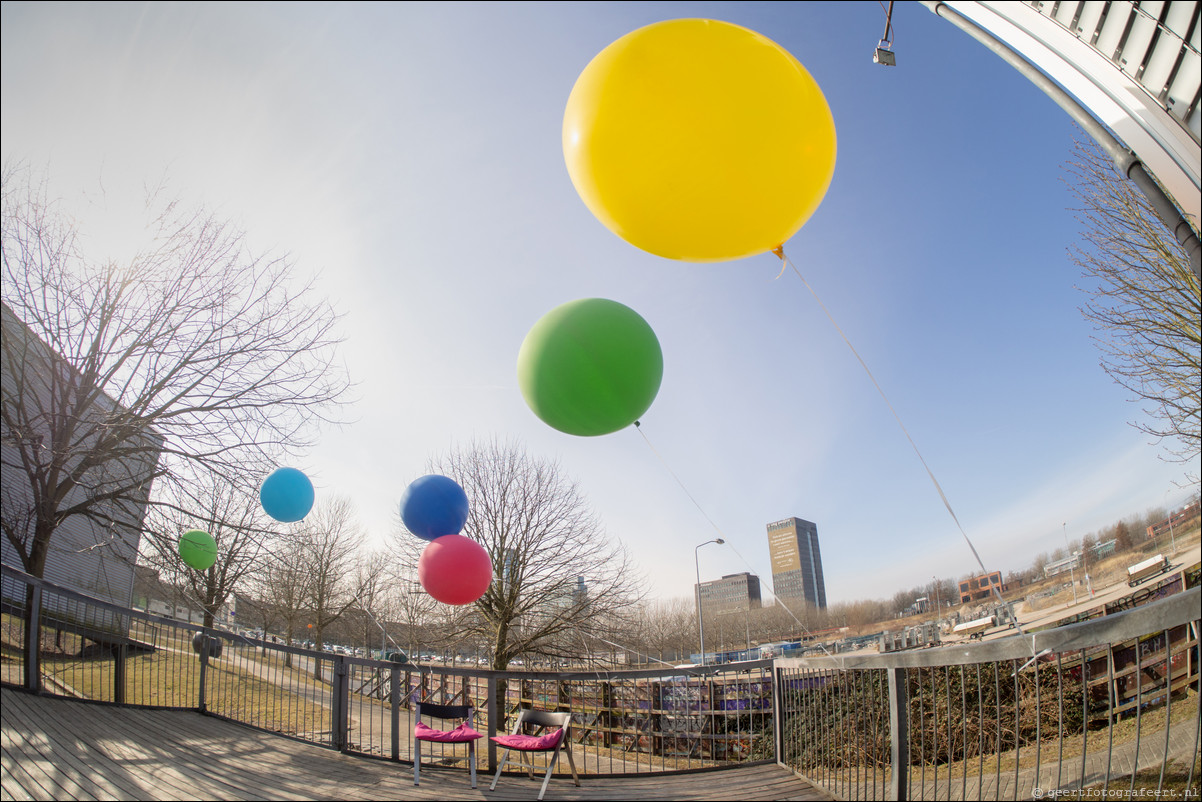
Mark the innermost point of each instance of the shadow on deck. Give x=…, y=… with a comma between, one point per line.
x=62, y=749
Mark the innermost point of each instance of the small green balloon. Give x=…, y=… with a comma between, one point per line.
x=590, y=367
x=198, y=549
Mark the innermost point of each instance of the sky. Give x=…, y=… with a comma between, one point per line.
x=408, y=157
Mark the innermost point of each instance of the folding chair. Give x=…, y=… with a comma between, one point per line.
x=465, y=733
x=552, y=741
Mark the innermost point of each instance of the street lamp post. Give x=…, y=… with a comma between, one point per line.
x=1172, y=537
x=1072, y=575
x=697, y=566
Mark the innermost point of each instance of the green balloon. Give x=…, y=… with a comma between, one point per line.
x=590, y=367
x=198, y=549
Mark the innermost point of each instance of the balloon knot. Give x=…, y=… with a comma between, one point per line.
x=779, y=250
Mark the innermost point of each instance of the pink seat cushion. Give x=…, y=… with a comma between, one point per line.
x=461, y=734
x=531, y=743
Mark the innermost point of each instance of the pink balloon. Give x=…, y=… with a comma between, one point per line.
x=455, y=569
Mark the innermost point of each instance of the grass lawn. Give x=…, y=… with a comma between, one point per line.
x=238, y=688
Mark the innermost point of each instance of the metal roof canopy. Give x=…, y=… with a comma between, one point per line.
x=1132, y=77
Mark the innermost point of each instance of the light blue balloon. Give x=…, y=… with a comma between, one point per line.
x=287, y=495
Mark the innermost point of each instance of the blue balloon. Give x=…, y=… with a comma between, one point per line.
x=287, y=495
x=434, y=506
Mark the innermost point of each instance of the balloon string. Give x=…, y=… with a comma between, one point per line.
x=647, y=657
x=787, y=262
x=639, y=428
x=725, y=538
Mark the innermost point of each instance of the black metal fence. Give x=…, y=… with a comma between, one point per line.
x=627, y=722
x=1107, y=703
x=1111, y=703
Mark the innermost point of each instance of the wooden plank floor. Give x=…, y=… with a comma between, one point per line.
x=61, y=749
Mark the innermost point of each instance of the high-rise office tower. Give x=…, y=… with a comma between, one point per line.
x=796, y=562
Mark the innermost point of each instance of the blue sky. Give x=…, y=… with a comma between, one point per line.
x=409, y=156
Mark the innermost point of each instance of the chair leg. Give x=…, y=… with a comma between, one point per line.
x=572, y=763
x=497, y=776
x=550, y=771
x=417, y=761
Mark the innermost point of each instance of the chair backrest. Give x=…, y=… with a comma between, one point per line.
x=542, y=718
x=443, y=711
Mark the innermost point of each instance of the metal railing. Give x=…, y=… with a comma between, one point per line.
x=72, y=645
x=1109, y=702
x=1114, y=702
x=624, y=722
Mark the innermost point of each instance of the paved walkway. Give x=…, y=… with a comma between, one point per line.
x=63, y=749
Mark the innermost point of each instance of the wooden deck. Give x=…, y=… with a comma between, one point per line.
x=60, y=749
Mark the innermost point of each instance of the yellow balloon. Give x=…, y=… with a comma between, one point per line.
x=699, y=140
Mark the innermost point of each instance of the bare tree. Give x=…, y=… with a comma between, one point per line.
x=860, y=613
x=253, y=610
x=194, y=353
x=777, y=622
x=409, y=605
x=371, y=577
x=231, y=514
x=1143, y=300
x=1039, y=563
x=667, y=629
x=1123, y=536
x=556, y=577
x=332, y=544
x=285, y=587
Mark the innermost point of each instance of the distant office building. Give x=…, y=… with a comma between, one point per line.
x=157, y=597
x=1175, y=519
x=1064, y=566
x=980, y=587
x=94, y=554
x=796, y=562
x=732, y=593
x=509, y=567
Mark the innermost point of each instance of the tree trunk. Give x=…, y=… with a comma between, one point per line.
x=317, y=647
x=501, y=655
x=35, y=565
x=288, y=642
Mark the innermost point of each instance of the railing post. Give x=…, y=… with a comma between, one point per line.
x=201, y=704
x=120, y=652
x=607, y=715
x=778, y=714
x=656, y=720
x=899, y=732
x=341, y=706
x=33, y=639
x=394, y=702
x=493, y=709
